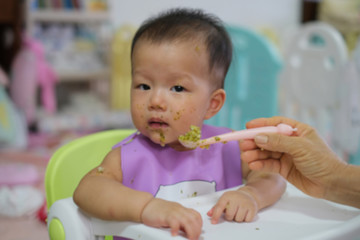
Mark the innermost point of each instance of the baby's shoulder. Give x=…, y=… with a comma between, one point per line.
x=113, y=155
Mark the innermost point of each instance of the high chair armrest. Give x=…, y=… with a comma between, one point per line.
x=66, y=221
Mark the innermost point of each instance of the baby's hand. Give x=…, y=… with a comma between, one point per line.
x=238, y=206
x=162, y=213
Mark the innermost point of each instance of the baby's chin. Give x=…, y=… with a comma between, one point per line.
x=173, y=144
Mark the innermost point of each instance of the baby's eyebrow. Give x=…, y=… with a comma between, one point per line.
x=181, y=79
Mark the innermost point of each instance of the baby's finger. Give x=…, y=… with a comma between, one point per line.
x=210, y=212
x=174, y=226
x=192, y=231
x=240, y=215
x=218, y=210
x=250, y=215
x=192, y=224
x=230, y=211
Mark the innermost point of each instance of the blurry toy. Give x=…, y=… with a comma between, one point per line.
x=30, y=71
x=344, y=16
x=121, y=69
x=22, y=200
x=12, y=174
x=13, y=131
x=42, y=213
x=18, y=194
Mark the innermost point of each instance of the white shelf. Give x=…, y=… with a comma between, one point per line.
x=97, y=75
x=82, y=76
x=68, y=16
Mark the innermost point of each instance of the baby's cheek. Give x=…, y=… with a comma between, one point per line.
x=177, y=114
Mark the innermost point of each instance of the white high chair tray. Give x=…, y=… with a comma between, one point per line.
x=294, y=216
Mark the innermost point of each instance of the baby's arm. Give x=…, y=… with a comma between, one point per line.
x=101, y=194
x=261, y=190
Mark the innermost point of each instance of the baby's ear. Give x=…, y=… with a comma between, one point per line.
x=217, y=100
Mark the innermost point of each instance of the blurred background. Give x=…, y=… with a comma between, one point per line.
x=65, y=73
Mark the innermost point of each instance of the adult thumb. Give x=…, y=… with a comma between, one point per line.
x=276, y=142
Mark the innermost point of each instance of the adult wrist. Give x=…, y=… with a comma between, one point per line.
x=344, y=186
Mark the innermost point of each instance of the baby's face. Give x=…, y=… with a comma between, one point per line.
x=170, y=90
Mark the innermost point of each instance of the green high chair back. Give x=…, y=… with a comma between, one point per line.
x=251, y=82
x=72, y=161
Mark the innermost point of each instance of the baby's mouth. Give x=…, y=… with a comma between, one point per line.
x=157, y=123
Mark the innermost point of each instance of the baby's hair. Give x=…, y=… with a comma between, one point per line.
x=191, y=24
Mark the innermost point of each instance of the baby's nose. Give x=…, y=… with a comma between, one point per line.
x=157, y=101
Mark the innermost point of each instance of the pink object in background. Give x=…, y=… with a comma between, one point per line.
x=30, y=70
x=12, y=174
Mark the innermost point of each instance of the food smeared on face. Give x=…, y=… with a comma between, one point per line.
x=197, y=49
x=177, y=115
x=162, y=139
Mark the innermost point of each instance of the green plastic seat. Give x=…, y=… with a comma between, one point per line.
x=70, y=163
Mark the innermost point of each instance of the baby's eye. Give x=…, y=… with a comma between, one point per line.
x=178, y=88
x=144, y=87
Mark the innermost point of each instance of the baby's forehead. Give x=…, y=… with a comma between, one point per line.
x=197, y=43
x=195, y=46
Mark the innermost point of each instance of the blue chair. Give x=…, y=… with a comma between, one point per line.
x=251, y=82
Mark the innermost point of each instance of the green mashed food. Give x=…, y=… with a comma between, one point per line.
x=192, y=136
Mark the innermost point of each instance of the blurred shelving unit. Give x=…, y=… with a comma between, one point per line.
x=76, y=35
x=76, y=13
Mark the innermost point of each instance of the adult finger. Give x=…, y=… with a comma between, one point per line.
x=273, y=121
x=268, y=165
x=246, y=145
x=277, y=142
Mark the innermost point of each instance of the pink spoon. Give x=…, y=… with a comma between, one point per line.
x=237, y=135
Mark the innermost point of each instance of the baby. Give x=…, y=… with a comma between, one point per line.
x=179, y=63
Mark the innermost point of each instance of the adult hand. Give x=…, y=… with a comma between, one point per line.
x=162, y=213
x=304, y=159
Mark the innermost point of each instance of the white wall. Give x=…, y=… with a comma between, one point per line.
x=283, y=16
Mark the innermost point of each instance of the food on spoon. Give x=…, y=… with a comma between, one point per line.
x=193, y=135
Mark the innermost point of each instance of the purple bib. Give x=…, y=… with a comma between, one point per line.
x=170, y=174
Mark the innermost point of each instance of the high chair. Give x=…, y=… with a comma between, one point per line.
x=311, y=83
x=65, y=170
x=251, y=82
x=294, y=216
x=353, y=76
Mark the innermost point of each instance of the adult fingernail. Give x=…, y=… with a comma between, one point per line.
x=261, y=139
